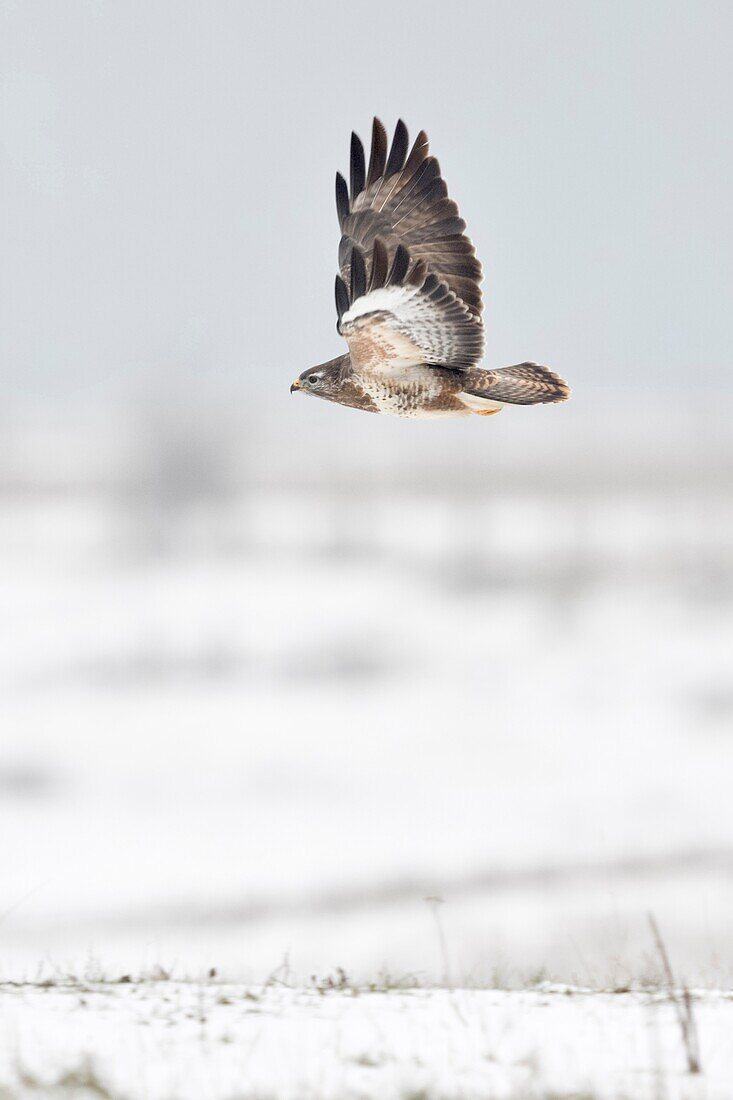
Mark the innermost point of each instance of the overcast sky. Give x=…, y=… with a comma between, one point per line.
x=167, y=182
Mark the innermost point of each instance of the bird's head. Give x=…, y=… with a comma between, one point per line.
x=324, y=381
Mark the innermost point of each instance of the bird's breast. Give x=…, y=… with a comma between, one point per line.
x=417, y=392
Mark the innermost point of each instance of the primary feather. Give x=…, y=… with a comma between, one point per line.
x=406, y=202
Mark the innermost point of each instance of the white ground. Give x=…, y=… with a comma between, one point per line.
x=208, y=1041
x=270, y=726
x=275, y=725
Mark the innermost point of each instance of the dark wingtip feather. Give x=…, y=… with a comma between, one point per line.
x=378, y=154
x=357, y=166
x=358, y=274
x=400, y=265
x=398, y=150
x=380, y=263
x=342, y=299
x=418, y=153
x=342, y=198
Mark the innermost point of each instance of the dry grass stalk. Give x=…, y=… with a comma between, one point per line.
x=682, y=1002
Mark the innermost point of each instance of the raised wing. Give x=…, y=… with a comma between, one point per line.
x=403, y=200
x=395, y=314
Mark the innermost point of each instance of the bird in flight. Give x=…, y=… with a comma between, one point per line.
x=408, y=297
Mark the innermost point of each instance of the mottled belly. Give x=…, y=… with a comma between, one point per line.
x=420, y=393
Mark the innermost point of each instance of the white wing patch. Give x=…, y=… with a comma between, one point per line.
x=391, y=299
x=396, y=326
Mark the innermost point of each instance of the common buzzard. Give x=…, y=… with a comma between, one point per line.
x=408, y=297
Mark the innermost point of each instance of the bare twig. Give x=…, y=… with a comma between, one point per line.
x=281, y=975
x=682, y=1003
x=434, y=903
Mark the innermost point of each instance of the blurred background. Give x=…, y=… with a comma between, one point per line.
x=272, y=671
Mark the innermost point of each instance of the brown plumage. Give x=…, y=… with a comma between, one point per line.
x=408, y=296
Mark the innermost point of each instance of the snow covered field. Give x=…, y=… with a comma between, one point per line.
x=163, y=1040
x=274, y=724
x=249, y=732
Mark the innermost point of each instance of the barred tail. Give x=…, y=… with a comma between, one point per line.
x=523, y=384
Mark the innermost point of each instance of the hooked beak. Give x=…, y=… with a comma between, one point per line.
x=295, y=386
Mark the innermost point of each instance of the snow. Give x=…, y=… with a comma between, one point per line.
x=253, y=724
x=232, y=730
x=207, y=1040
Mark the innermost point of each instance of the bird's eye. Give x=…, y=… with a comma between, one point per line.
x=312, y=378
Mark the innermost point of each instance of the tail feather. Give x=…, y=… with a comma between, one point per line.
x=523, y=384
